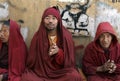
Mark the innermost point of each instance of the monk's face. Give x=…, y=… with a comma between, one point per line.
x=4, y=33
x=105, y=40
x=50, y=22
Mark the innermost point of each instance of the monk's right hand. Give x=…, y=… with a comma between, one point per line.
x=1, y=77
x=112, y=67
x=108, y=66
x=104, y=67
x=53, y=49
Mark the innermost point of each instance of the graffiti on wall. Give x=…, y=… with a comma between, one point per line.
x=76, y=20
x=115, y=1
x=4, y=12
x=108, y=13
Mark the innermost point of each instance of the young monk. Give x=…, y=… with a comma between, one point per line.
x=51, y=54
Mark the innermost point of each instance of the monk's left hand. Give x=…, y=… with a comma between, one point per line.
x=1, y=77
x=112, y=67
x=53, y=49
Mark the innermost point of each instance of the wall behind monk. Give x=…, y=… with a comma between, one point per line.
x=30, y=12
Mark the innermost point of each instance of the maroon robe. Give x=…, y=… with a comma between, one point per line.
x=95, y=56
x=59, y=67
x=17, y=53
x=3, y=58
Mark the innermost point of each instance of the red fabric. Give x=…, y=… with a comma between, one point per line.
x=0, y=44
x=94, y=56
x=17, y=52
x=59, y=58
x=2, y=70
x=42, y=67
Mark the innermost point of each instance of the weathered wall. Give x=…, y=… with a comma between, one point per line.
x=30, y=11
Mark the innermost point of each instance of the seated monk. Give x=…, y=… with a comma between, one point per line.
x=101, y=61
x=51, y=54
x=12, y=52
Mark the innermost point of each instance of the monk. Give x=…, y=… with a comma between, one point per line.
x=101, y=61
x=51, y=54
x=13, y=52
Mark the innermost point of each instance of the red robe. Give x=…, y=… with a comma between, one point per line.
x=3, y=58
x=95, y=56
x=41, y=66
x=17, y=53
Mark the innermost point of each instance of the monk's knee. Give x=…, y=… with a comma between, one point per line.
x=74, y=75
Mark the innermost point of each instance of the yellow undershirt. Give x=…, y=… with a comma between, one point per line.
x=52, y=39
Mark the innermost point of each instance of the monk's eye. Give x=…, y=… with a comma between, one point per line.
x=47, y=18
x=54, y=18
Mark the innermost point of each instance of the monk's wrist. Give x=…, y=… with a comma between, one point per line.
x=100, y=69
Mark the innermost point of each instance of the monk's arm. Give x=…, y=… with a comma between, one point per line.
x=59, y=57
x=88, y=64
x=117, y=67
x=3, y=74
x=118, y=64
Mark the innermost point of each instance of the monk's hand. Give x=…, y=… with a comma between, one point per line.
x=1, y=77
x=53, y=49
x=112, y=67
x=104, y=67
